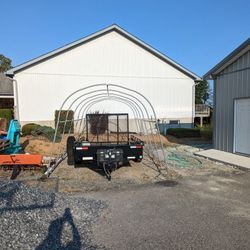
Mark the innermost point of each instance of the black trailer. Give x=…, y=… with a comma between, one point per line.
x=107, y=142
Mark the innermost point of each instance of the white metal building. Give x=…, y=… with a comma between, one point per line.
x=111, y=55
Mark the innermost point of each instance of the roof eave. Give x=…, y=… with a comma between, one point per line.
x=233, y=56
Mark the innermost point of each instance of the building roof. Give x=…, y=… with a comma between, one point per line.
x=232, y=57
x=102, y=32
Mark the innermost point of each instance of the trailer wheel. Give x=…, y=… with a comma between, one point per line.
x=70, y=152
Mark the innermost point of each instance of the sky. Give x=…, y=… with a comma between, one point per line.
x=195, y=33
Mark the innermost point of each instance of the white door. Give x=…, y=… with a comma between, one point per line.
x=242, y=126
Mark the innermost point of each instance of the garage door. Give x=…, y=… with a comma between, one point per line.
x=242, y=126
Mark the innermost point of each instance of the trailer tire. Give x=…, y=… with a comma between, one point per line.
x=70, y=151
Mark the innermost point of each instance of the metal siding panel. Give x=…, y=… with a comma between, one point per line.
x=230, y=86
x=218, y=114
x=223, y=126
x=216, y=118
x=214, y=115
x=230, y=114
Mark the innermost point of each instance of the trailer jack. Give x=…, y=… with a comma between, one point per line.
x=53, y=165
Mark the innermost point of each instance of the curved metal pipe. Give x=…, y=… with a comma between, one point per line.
x=157, y=125
x=102, y=98
x=67, y=98
x=75, y=100
x=108, y=90
x=138, y=100
x=91, y=97
x=108, y=98
x=137, y=107
x=118, y=99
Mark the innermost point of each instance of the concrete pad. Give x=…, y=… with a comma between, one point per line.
x=240, y=161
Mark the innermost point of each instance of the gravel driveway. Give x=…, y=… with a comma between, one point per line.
x=32, y=219
x=200, y=212
x=208, y=211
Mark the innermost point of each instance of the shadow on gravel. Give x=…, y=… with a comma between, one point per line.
x=54, y=238
x=9, y=195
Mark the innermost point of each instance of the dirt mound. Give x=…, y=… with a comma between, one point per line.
x=40, y=145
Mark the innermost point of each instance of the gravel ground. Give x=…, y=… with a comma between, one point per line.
x=207, y=211
x=33, y=219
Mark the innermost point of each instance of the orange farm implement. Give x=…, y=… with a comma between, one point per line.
x=18, y=162
x=11, y=155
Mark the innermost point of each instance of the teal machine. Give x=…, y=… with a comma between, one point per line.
x=11, y=142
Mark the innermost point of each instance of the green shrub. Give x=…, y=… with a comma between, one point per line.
x=38, y=130
x=6, y=114
x=207, y=132
x=28, y=128
x=184, y=132
x=69, y=126
x=47, y=132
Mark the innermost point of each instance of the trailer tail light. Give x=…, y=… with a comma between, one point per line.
x=139, y=146
x=82, y=148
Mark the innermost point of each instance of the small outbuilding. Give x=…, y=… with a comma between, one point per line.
x=232, y=101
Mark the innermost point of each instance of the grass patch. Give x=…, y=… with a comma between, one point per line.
x=184, y=132
x=28, y=128
x=204, y=132
x=37, y=130
x=207, y=132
